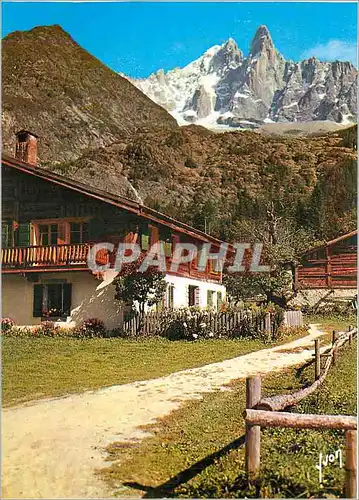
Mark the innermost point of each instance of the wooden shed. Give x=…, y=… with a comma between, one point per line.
x=331, y=266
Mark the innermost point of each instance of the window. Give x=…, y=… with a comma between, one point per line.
x=48, y=234
x=213, y=265
x=79, y=232
x=170, y=295
x=210, y=295
x=193, y=295
x=52, y=300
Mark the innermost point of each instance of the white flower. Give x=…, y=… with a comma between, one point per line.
x=211, y=334
x=195, y=336
x=203, y=325
x=185, y=325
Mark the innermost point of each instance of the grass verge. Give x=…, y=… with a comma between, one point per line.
x=197, y=451
x=34, y=368
x=330, y=323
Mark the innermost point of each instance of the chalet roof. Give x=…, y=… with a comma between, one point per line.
x=112, y=199
x=332, y=242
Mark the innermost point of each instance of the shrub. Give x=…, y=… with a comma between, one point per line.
x=7, y=324
x=93, y=327
x=47, y=329
x=195, y=324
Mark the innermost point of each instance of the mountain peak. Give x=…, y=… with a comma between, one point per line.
x=230, y=44
x=225, y=88
x=262, y=40
x=228, y=56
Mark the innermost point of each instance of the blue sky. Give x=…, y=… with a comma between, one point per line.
x=139, y=38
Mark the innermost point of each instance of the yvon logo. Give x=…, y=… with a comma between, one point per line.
x=331, y=458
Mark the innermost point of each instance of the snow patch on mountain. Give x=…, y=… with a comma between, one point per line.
x=224, y=89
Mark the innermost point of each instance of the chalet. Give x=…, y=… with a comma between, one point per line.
x=50, y=223
x=330, y=266
x=328, y=273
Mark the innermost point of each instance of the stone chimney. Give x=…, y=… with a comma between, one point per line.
x=26, y=147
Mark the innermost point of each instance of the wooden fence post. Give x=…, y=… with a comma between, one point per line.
x=334, y=338
x=268, y=323
x=253, y=432
x=351, y=464
x=317, y=358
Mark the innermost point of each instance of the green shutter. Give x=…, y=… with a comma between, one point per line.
x=170, y=296
x=23, y=235
x=209, y=298
x=67, y=292
x=219, y=300
x=38, y=295
x=5, y=235
x=168, y=249
x=145, y=239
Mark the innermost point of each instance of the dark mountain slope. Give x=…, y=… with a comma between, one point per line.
x=193, y=174
x=65, y=95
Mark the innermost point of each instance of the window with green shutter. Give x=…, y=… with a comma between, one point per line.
x=23, y=234
x=52, y=300
x=210, y=298
x=6, y=235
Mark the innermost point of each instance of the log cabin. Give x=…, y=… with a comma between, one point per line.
x=49, y=224
x=332, y=266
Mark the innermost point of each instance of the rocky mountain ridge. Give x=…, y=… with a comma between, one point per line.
x=223, y=88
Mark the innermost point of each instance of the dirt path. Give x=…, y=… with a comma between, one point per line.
x=51, y=448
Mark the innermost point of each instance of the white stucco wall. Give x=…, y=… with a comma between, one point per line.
x=86, y=301
x=90, y=298
x=180, y=295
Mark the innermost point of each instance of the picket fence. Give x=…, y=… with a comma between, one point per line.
x=293, y=318
x=227, y=323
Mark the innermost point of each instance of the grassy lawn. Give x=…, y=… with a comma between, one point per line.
x=36, y=368
x=197, y=451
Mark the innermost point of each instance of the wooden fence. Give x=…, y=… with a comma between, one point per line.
x=233, y=323
x=266, y=413
x=293, y=318
x=228, y=323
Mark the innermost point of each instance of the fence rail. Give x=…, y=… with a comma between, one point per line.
x=232, y=323
x=262, y=413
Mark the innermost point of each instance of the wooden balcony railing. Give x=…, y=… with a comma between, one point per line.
x=49, y=256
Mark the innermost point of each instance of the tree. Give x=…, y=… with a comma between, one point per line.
x=283, y=243
x=144, y=288
x=274, y=286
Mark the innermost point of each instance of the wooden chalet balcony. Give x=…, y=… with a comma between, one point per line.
x=52, y=256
